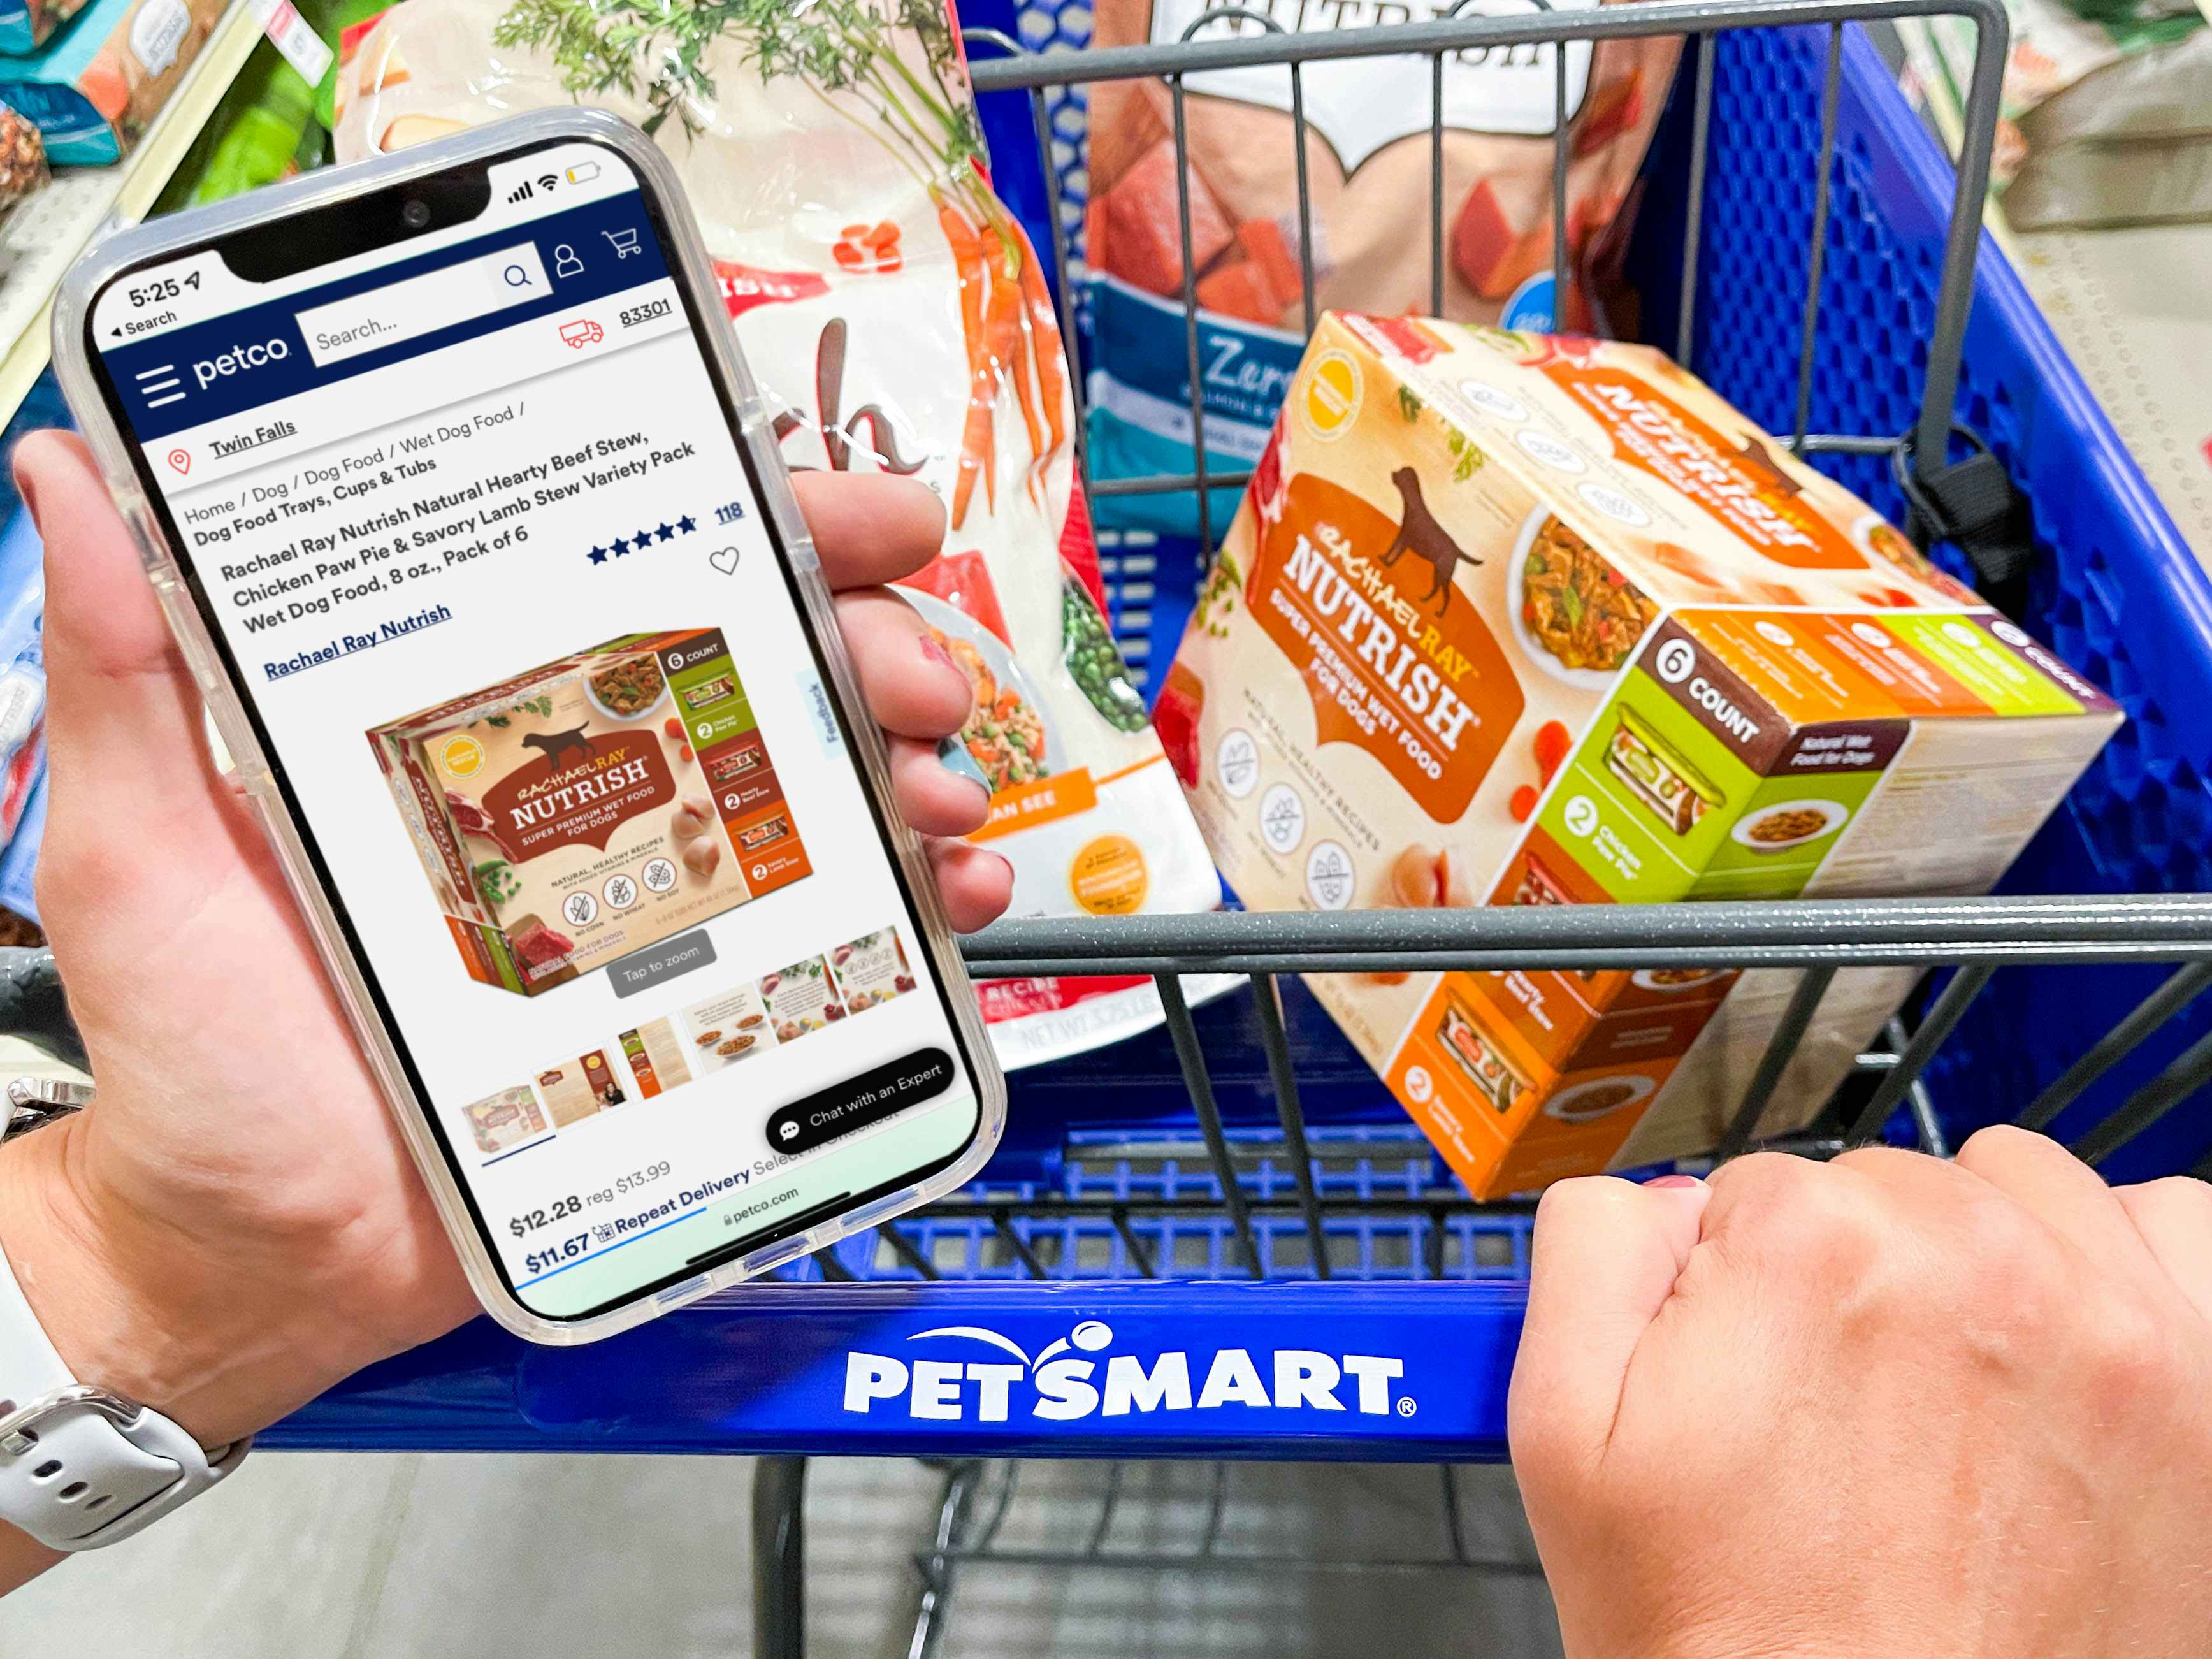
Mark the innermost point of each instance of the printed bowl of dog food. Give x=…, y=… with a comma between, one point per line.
x=1004, y=734
x=628, y=688
x=1574, y=615
x=1586, y=1103
x=1673, y=979
x=1788, y=824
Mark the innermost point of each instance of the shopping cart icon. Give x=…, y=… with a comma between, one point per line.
x=624, y=241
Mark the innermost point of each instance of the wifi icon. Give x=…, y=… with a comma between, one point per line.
x=547, y=181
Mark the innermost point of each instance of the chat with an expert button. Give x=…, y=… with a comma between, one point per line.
x=844, y=1108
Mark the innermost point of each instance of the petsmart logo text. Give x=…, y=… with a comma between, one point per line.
x=1063, y=1385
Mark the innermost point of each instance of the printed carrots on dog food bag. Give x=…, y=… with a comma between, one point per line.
x=898, y=321
x=1369, y=163
x=1516, y=619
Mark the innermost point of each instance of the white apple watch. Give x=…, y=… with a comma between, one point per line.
x=80, y=1465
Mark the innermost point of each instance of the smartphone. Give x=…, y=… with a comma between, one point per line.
x=469, y=520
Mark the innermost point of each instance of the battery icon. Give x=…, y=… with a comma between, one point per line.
x=583, y=172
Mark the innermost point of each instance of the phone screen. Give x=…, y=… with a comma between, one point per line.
x=465, y=515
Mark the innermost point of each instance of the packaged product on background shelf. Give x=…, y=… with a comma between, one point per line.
x=19, y=863
x=263, y=130
x=93, y=90
x=1513, y=619
x=25, y=24
x=22, y=159
x=1368, y=160
x=23, y=669
x=898, y=320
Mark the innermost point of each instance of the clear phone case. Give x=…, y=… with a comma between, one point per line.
x=114, y=448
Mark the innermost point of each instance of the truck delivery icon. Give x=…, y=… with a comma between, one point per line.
x=581, y=331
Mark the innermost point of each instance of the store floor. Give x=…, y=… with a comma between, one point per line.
x=337, y=1556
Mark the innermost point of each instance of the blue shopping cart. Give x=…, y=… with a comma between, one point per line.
x=1229, y=1243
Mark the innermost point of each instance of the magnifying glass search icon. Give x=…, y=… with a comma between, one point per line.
x=517, y=277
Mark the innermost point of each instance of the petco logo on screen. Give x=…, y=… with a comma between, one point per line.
x=1063, y=1384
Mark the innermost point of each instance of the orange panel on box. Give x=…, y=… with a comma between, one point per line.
x=1806, y=681
x=1466, y=1077
x=1542, y=1009
x=1910, y=677
x=1541, y=872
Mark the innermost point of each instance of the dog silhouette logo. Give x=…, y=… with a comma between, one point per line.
x=557, y=746
x=1418, y=529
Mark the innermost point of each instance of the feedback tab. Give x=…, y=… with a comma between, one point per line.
x=846, y=1107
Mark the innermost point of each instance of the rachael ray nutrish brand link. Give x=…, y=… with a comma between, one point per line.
x=1509, y=619
x=898, y=320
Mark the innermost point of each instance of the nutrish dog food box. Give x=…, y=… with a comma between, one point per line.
x=1511, y=619
x=585, y=808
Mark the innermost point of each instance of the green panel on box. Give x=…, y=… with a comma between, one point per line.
x=1651, y=759
x=1971, y=655
x=711, y=714
x=1746, y=867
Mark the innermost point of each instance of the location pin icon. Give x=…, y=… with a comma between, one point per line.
x=181, y=459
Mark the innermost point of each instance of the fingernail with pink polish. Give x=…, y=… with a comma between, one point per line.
x=1673, y=1181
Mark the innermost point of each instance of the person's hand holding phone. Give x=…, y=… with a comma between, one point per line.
x=235, y=1224
x=1887, y=1407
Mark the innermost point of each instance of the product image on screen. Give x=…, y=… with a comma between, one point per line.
x=563, y=823
x=526, y=668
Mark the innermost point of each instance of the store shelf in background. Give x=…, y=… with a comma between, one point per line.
x=47, y=233
x=2133, y=311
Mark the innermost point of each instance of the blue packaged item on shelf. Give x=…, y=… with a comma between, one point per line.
x=93, y=90
x=25, y=24
x=19, y=865
x=22, y=669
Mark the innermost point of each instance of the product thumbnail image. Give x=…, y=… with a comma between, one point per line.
x=571, y=814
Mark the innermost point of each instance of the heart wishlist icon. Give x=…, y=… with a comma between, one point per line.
x=724, y=560
x=181, y=459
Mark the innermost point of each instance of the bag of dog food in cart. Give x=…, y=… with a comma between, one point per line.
x=1369, y=166
x=896, y=312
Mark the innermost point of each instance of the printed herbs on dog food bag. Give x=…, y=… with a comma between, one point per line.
x=1511, y=619
x=898, y=320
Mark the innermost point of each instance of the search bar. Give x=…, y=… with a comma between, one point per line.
x=423, y=305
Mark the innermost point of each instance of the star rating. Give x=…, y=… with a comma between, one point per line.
x=621, y=547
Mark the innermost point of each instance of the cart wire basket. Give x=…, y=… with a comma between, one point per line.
x=1221, y=1239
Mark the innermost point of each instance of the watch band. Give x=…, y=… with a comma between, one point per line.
x=80, y=1467
x=32, y=1102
